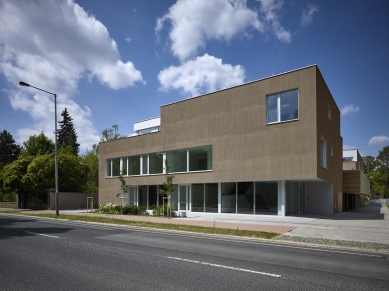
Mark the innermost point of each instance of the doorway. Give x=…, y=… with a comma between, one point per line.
x=183, y=197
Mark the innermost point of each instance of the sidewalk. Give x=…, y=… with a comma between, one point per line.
x=365, y=224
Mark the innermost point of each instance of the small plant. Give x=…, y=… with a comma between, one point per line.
x=162, y=210
x=131, y=209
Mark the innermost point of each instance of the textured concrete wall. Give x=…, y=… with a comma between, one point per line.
x=355, y=182
x=244, y=147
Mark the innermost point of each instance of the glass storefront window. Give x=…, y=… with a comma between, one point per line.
x=197, y=197
x=153, y=196
x=245, y=197
x=142, y=199
x=211, y=197
x=200, y=158
x=228, y=197
x=266, y=198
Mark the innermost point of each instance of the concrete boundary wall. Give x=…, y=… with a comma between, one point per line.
x=72, y=200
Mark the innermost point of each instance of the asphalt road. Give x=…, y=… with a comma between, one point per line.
x=43, y=254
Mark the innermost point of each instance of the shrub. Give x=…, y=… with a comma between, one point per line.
x=131, y=209
x=109, y=208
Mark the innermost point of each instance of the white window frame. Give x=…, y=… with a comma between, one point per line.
x=279, y=106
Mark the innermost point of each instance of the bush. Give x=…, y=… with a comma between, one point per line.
x=109, y=208
x=131, y=209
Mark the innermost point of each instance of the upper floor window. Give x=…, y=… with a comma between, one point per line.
x=282, y=106
x=329, y=113
x=323, y=154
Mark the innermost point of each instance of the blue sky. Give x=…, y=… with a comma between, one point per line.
x=117, y=62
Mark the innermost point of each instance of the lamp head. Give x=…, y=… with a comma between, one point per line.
x=24, y=84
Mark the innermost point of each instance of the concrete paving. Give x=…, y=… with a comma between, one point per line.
x=365, y=224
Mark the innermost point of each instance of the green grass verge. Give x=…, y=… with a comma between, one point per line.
x=191, y=228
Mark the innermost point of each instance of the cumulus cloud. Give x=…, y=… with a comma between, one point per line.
x=307, y=15
x=349, y=109
x=41, y=109
x=347, y=147
x=195, y=22
x=201, y=75
x=380, y=140
x=270, y=9
x=51, y=45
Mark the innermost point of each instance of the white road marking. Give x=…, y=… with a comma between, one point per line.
x=224, y=267
x=52, y=236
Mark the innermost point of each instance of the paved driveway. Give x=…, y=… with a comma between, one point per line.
x=365, y=224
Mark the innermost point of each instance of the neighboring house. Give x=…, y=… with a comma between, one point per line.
x=271, y=146
x=355, y=183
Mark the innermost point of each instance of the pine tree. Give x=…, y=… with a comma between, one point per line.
x=66, y=134
x=9, y=151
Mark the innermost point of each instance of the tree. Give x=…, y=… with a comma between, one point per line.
x=66, y=134
x=381, y=175
x=9, y=151
x=91, y=160
x=370, y=164
x=37, y=145
x=110, y=134
x=71, y=176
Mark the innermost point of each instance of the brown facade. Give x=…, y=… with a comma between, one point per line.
x=244, y=146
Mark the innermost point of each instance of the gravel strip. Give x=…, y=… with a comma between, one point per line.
x=343, y=243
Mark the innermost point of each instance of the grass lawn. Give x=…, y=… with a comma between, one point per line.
x=191, y=228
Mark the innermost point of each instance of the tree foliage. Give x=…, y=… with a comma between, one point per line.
x=377, y=171
x=110, y=134
x=9, y=150
x=91, y=160
x=168, y=186
x=66, y=134
x=37, y=145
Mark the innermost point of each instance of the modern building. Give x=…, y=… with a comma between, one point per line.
x=271, y=146
x=355, y=183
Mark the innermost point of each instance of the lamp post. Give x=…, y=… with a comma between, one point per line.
x=56, y=151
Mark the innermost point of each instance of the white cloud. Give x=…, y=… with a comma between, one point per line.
x=349, y=109
x=307, y=15
x=51, y=45
x=195, y=22
x=269, y=9
x=201, y=75
x=347, y=147
x=128, y=39
x=380, y=140
x=41, y=109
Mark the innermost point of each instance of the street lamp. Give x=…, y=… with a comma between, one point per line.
x=56, y=151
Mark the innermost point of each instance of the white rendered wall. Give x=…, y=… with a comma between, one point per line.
x=319, y=197
x=351, y=153
x=153, y=122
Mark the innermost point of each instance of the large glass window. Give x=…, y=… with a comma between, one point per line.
x=145, y=164
x=282, y=106
x=115, y=167
x=245, y=197
x=228, y=197
x=109, y=169
x=156, y=163
x=133, y=165
x=200, y=158
x=198, y=197
x=211, y=193
x=266, y=198
x=177, y=160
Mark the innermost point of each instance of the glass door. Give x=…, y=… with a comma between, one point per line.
x=133, y=196
x=300, y=198
x=183, y=197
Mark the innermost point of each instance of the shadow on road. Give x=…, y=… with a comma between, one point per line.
x=9, y=228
